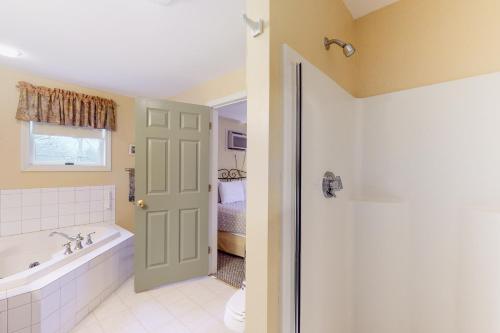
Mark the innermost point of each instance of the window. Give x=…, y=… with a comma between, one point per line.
x=48, y=147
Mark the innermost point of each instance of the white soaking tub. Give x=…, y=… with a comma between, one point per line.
x=62, y=289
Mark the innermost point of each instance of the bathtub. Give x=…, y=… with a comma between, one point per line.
x=62, y=289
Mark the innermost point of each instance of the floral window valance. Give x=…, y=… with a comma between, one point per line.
x=62, y=107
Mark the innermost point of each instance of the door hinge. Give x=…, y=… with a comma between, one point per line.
x=209, y=188
x=210, y=125
x=209, y=250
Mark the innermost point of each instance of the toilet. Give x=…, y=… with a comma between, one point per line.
x=234, y=317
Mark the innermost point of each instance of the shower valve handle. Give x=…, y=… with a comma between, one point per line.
x=331, y=184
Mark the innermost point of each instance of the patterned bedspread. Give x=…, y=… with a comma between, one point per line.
x=231, y=217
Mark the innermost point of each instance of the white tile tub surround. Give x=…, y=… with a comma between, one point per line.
x=58, y=301
x=31, y=210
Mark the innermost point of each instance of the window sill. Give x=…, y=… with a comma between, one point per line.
x=65, y=168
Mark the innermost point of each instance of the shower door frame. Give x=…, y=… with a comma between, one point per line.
x=291, y=205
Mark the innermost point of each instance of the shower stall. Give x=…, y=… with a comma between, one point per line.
x=403, y=235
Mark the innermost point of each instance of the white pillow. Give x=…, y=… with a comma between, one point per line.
x=231, y=192
x=244, y=184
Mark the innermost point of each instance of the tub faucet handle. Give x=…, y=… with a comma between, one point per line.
x=67, y=249
x=78, y=240
x=89, y=238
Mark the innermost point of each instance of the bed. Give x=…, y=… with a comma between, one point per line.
x=231, y=217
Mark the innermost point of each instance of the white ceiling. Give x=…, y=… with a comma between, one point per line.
x=360, y=8
x=135, y=47
x=235, y=111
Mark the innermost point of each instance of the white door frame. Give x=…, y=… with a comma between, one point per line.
x=214, y=177
x=289, y=187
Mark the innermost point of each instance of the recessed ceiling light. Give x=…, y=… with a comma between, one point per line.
x=11, y=52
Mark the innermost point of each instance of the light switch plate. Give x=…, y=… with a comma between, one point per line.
x=131, y=149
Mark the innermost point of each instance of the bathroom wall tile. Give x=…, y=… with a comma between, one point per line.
x=66, y=221
x=44, y=308
x=19, y=318
x=11, y=200
x=82, y=297
x=48, y=223
x=68, y=292
x=66, y=195
x=51, y=323
x=10, y=214
x=36, y=328
x=49, y=189
x=82, y=207
x=26, y=330
x=96, y=217
x=67, y=278
x=49, y=197
x=66, y=208
x=3, y=322
x=10, y=228
x=31, y=212
x=17, y=301
x=96, y=193
x=108, y=216
x=31, y=225
x=82, y=219
x=81, y=270
x=40, y=294
x=96, y=206
x=82, y=194
x=50, y=210
x=81, y=313
x=31, y=197
x=3, y=305
x=68, y=316
x=10, y=192
x=94, y=303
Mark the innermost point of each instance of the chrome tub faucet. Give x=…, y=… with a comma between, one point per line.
x=67, y=249
x=62, y=234
x=78, y=241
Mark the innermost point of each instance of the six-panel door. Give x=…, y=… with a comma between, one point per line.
x=172, y=143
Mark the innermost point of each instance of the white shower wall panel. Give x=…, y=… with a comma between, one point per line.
x=437, y=148
x=398, y=250
x=328, y=139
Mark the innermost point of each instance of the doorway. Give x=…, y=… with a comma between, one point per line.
x=228, y=223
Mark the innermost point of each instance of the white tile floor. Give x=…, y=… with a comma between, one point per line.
x=194, y=306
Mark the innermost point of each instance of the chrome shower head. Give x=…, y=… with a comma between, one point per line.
x=348, y=49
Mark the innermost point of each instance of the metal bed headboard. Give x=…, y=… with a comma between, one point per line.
x=231, y=175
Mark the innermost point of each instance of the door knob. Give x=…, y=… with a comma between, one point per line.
x=140, y=203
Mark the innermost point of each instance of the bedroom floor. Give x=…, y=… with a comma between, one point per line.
x=230, y=269
x=194, y=306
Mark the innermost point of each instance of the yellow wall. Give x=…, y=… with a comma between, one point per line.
x=229, y=158
x=11, y=176
x=258, y=108
x=415, y=43
x=209, y=91
x=302, y=25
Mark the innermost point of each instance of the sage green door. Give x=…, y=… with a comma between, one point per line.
x=171, y=214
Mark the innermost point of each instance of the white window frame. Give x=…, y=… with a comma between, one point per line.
x=26, y=156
